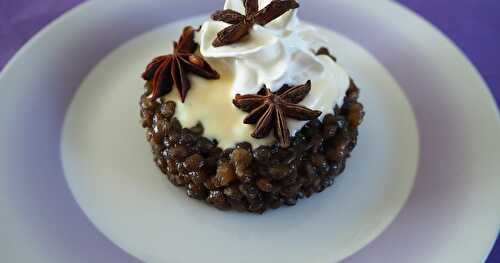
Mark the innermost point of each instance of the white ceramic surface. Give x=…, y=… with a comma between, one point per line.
x=453, y=207
x=111, y=173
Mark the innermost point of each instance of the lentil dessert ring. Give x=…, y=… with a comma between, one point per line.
x=251, y=179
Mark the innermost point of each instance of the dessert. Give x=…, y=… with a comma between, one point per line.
x=248, y=112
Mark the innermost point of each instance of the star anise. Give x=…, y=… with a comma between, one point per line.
x=166, y=71
x=241, y=24
x=269, y=110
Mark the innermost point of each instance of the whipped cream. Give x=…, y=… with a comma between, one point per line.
x=280, y=53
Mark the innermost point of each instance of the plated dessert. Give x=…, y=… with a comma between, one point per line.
x=250, y=111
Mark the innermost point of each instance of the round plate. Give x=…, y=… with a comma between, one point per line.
x=109, y=168
x=452, y=207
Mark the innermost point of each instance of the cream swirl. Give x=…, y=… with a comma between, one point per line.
x=266, y=56
x=279, y=53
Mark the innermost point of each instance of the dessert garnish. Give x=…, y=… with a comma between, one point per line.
x=241, y=24
x=165, y=71
x=324, y=51
x=269, y=110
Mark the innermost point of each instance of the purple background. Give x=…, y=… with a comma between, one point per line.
x=474, y=25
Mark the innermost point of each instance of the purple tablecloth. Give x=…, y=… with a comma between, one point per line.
x=473, y=24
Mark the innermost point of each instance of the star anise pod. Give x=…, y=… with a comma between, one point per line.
x=166, y=71
x=241, y=24
x=269, y=110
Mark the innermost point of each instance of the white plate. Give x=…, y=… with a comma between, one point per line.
x=450, y=216
x=112, y=176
